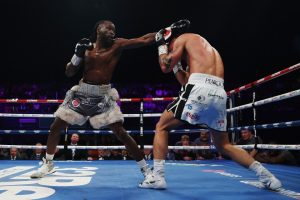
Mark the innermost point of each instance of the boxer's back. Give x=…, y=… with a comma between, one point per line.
x=201, y=56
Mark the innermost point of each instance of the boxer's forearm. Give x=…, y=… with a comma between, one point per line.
x=165, y=63
x=148, y=38
x=182, y=77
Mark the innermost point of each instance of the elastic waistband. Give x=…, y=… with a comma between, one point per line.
x=97, y=90
x=199, y=78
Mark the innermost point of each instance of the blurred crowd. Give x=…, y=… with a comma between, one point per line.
x=203, y=139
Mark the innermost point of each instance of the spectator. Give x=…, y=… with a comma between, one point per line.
x=38, y=153
x=204, y=140
x=15, y=155
x=248, y=138
x=275, y=156
x=103, y=155
x=3, y=154
x=116, y=155
x=184, y=154
x=126, y=156
x=75, y=154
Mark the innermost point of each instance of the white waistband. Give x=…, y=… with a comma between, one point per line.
x=97, y=90
x=199, y=78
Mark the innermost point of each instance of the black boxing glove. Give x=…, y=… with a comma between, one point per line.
x=162, y=39
x=180, y=27
x=80, y=48
x=164, y=35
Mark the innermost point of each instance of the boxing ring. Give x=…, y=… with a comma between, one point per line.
x=205, y=179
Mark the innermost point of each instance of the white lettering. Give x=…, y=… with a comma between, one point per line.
x=24, y=188
x=65, y=181
x=15, y=192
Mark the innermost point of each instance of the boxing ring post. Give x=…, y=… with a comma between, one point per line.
x=233, y=117
x=142, y=124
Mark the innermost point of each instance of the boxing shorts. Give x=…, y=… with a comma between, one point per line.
x=202, y=101
x=96, y=103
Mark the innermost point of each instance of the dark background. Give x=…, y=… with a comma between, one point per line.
x=255, y=38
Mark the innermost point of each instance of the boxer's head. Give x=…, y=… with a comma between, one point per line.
x=105, y=31
x=175, y=30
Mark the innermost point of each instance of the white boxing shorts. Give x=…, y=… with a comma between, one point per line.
x=79, y=105
x=202, y=102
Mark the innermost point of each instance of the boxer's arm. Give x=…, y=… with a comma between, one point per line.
x=137, y=42
x=182, y=77
x=81, y=47
x=168, y=60
x=71, y=69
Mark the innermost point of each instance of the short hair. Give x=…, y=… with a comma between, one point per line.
x=245, y=129
x=93, y=36
x=185, y=137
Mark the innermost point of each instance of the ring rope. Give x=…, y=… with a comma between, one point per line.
x=52, y=115
x=268, y=126
x=95, y=131
x=262, y=126
x=16, y=100
x=265, y=79
x=266, y=101
x=242, y=107
x=212, y=147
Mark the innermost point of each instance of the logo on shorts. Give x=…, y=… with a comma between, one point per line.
x=189, y=106
x=215, y=95
x=221, y=123
x=213, y=82
x=75, y=103
x=201, y=98
x=192, y=116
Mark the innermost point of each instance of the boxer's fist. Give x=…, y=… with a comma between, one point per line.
x=162, y=36
x=83, y=45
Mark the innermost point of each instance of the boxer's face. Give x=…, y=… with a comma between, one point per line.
x=106, y=30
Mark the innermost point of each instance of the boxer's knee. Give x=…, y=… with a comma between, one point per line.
x=57, y=126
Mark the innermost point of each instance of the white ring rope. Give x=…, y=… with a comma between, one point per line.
x=212, y=147
x=268, y=126
x=249, y=105
x=262, y=126
x=266, y=101
x=51, y=115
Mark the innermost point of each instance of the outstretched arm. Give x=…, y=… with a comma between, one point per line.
x=137, y=42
